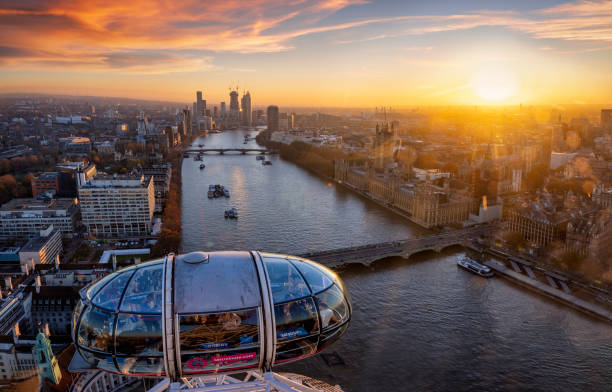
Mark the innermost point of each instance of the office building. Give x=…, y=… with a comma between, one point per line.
x=46, y=182
x=21, y=219
x=273, y=118
x=162, y=175
x=43, y=248
x=117, y=206
x=246, y=113
x=234, y=110
x=72, y=175
x=187, y=121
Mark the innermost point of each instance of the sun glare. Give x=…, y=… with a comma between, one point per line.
x=494, y=83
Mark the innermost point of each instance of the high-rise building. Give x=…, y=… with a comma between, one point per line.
x=199, y=106
x=606, y=118
x=234, y=109
x=246, y=114
x=273, y=118
x=187, y=121
x=117, y=206
x=223, y=109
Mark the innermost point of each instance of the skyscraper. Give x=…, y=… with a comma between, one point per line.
x=223, y=109
x=186, y=121
x=234, y=109
x=273, y=118
x=199, y=107
x=246, y=115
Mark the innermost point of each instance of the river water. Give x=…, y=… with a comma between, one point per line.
x=418, y=324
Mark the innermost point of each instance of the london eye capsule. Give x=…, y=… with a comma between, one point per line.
x=217, y=312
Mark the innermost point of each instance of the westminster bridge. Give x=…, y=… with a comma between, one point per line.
x=367, y=254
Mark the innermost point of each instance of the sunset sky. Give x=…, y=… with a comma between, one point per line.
x=312, y=53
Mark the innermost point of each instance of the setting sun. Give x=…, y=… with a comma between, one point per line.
x=494, y=83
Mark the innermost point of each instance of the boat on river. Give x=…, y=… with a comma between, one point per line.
x=231, y=213
x=202, y=166
x=226, y=192
x=474, y=267
x=260, y=157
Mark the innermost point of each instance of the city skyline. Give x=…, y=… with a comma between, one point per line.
x=339, y=53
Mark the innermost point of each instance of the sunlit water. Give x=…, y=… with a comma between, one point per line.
x=419, y=324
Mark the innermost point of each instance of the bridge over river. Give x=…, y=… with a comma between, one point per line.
x=222, y=151
x=367, y=254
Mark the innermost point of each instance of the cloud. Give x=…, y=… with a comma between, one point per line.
x=165, y=36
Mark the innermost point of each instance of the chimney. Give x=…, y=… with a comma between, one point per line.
x=37, y=281
x=8, y=283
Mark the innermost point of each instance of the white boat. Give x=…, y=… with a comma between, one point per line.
x=231, y=213
x=474, y=267
x=260, y=157
x=226, y=192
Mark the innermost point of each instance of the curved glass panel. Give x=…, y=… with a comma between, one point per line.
x=219, y=331
x=138, y=334
x=94, y=288
x=329, y=337
x=285, y=281
x=332, y=307
x=295, y=349
x=144, y=292
x=110, y=295
x=141, y=365
x=223, y=361
x=296, y=319
x=99, y=360
x=318, y=279
x=75, y=317
x=96, y=329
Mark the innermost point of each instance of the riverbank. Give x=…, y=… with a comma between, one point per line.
x=170, y=237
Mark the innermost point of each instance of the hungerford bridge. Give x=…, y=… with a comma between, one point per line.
x=222, y=151
x=367, y=254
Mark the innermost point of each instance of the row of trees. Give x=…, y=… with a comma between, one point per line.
x=318, y=159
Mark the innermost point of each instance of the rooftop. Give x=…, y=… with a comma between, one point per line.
x=25, y=205
x=36, y=243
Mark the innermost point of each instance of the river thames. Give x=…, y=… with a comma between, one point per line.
x=418, y=324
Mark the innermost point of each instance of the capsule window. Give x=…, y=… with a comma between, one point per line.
x=285, y=281
x=295, y=349
x=219, y=331
x=141, y=365
x=110, y=295
x=94, y=288
x=138, y=334
x=102, y=361
x=144, y=292
x=318, y=279
x=332, y=307
x=96, y=329
x=296, y=319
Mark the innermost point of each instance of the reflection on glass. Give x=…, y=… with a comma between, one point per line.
x=285, y=281
x=218, y=331
x=295, y=349
x=110, y=295
x=94, y=288
x=101, y=361
x=318, y=279
x=326, y=339
x=75, y=317
x=138, y=334
x=332, y=307
x=141, y=365
x=95, y=330
x=214, y=362
x=296, y=319
x=144, y=292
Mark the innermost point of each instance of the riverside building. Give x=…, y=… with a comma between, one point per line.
x=24, y=218
x=117, y=206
